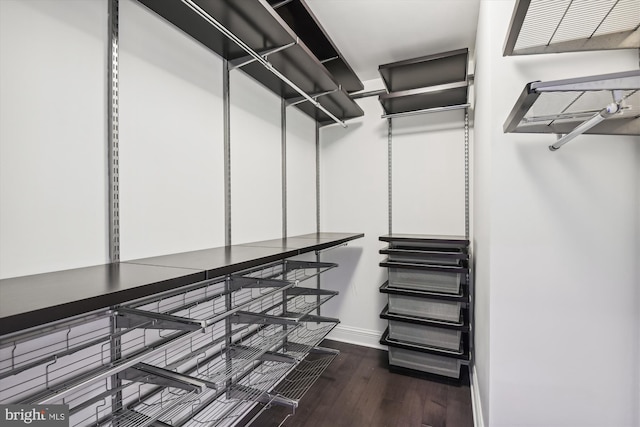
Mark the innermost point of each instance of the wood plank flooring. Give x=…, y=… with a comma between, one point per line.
x=357, y=390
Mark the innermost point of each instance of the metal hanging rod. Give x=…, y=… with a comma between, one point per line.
x=280, y=4
x=426, y=111
x=300, y=99
x=248, y=59
x=203, y=14
x=607, y=112
x=366, y=94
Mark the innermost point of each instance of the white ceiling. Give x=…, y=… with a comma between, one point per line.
x=370, y=33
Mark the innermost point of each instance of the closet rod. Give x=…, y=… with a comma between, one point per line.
x=604, y=114
x=426, y=111
x=191, y=5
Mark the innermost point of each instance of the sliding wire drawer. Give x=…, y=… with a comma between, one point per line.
x=445, y=279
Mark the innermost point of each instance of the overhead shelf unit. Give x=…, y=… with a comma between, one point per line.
x=300, y=18
x=553, y=26
x=427, y=84
x=257, y=26
x=603, y=104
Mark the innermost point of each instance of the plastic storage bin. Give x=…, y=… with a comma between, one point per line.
x=425, y=280
x=448, y=339
x=425, y=362
x=423, y=257
x=448, y=311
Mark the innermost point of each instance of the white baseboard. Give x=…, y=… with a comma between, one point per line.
x=476, y=402
x=358, y=336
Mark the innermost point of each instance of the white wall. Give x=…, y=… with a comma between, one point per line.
x=353, y=189
x=563, y=276
x=53, y=185
x=481, y=214
x=53, y=142
x=428, y=198
x=428, y=173
x=256, y=161
x=301, y=173
x=171, y=141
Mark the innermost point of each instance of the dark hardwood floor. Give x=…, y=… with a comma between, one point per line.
x=357, y=390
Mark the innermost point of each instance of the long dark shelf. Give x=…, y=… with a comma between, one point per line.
x=261, y=28
x=303, y=22
x=30, y=301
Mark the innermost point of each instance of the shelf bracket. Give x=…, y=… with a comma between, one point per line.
x=238, y=282
x=248, y=59
x=247, y=393
x=132, y=318
x=311, y=264
x=270, y=356
x=263, y=319
x=324, y=350
x=315, y=318
x=309, y=291
x=148, y=374
x=300, y=99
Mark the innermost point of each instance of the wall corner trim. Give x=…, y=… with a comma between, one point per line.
x=476, y=402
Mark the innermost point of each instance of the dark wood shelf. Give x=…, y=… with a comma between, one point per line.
x=303, y=22
x=425, y=83
x=35, y=300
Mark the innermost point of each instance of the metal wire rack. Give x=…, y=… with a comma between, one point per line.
x=551, y=26
x=86, y=363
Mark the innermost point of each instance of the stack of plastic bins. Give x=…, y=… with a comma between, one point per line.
x=428, y=310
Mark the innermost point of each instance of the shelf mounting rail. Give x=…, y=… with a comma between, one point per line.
x=259, y=58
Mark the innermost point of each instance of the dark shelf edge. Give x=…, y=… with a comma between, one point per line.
x=33, y=318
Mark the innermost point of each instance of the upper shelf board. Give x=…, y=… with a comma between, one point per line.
x=300, y=18
x=262, y=29
x=560, y=106
x=553, y=26
x=425, y=83
x=432, y=70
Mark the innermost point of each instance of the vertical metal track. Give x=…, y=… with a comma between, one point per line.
x=113, y=137
x=227, y=151
x=389, y=159
x=470, y=280
x=317, y=177
x=113, y=144
x=318, y=283
x=283, y=132
x=466, y=173
x=227, y=332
